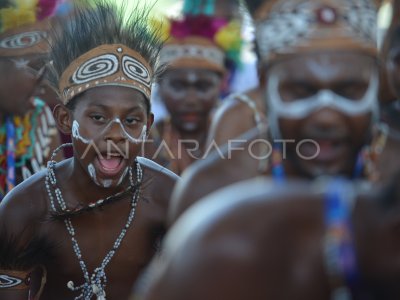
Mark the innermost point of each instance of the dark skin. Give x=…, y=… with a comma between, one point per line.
x=339, y=135
x=385, y=164
x=389, y=54
x=24, y=79
x=216, y=173
x=17, y=88
x=393, y=67
x=97, y=229
x=232, y=250
x=189, y=96
x=225, y=125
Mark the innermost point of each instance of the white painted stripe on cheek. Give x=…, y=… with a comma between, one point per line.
x=76, y=135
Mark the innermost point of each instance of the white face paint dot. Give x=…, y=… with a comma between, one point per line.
x=87, y=85
x=107, y=183
x=119, y=50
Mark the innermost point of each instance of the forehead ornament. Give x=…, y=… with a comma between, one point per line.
x=327, y=15
x=112, y=65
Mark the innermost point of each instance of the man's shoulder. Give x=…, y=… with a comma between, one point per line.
x=26, y=201
x=158, y=182
x=157, y=186
x=259, y=203
x=22, y=215
x=237, y=102
x=218, y=169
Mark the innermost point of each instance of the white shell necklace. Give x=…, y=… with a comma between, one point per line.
x=95, y=283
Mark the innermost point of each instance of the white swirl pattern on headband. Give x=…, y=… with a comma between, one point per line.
x=96, y=68
x=135, y=70
x=106, y=65
x=23, y=40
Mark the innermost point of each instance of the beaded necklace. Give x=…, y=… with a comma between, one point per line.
x=95, y=283
x=18, y=141
x=7, y=159
x=340, y=257
x=10, y=153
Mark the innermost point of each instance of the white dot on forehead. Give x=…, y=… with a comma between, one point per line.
x=328, y=15
x=192, y=77
x=119, y=50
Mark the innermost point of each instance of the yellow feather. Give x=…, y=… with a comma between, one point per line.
x=229, y=37
x=162, y=27
x=24, y=13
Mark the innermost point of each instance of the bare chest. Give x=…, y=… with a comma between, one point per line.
x=97, y=234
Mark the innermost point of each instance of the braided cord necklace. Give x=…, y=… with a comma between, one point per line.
x=95, y=283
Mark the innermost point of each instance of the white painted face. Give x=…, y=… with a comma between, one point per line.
x=192, y=77
x=106, y=183
x=300, y=108
x=134, y=140
x=92, y=174
x=301, y=85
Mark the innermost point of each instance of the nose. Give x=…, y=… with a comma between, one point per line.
x=327, y=119
x=191, y=97
x=327, y=115
x=114, y=133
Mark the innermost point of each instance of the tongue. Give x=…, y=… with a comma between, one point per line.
x=110, y=164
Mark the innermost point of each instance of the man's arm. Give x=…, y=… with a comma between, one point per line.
x=22, y=251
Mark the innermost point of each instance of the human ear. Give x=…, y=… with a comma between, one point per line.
x=63, y=117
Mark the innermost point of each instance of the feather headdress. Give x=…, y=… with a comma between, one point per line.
x=200, y=39
x=18, y=13
x=100, y=45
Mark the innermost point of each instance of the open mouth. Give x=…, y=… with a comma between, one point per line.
x=190, y=117
x=110, y=164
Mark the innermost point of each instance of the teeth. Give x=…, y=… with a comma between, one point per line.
x=111, y=155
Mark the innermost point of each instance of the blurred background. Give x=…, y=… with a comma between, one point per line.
x=161, y=7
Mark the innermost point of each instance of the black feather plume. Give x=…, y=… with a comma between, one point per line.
x=99, y=24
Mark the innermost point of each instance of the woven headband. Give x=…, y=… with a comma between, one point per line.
x=115, y=65
x=193, y=52
x=294, y=26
